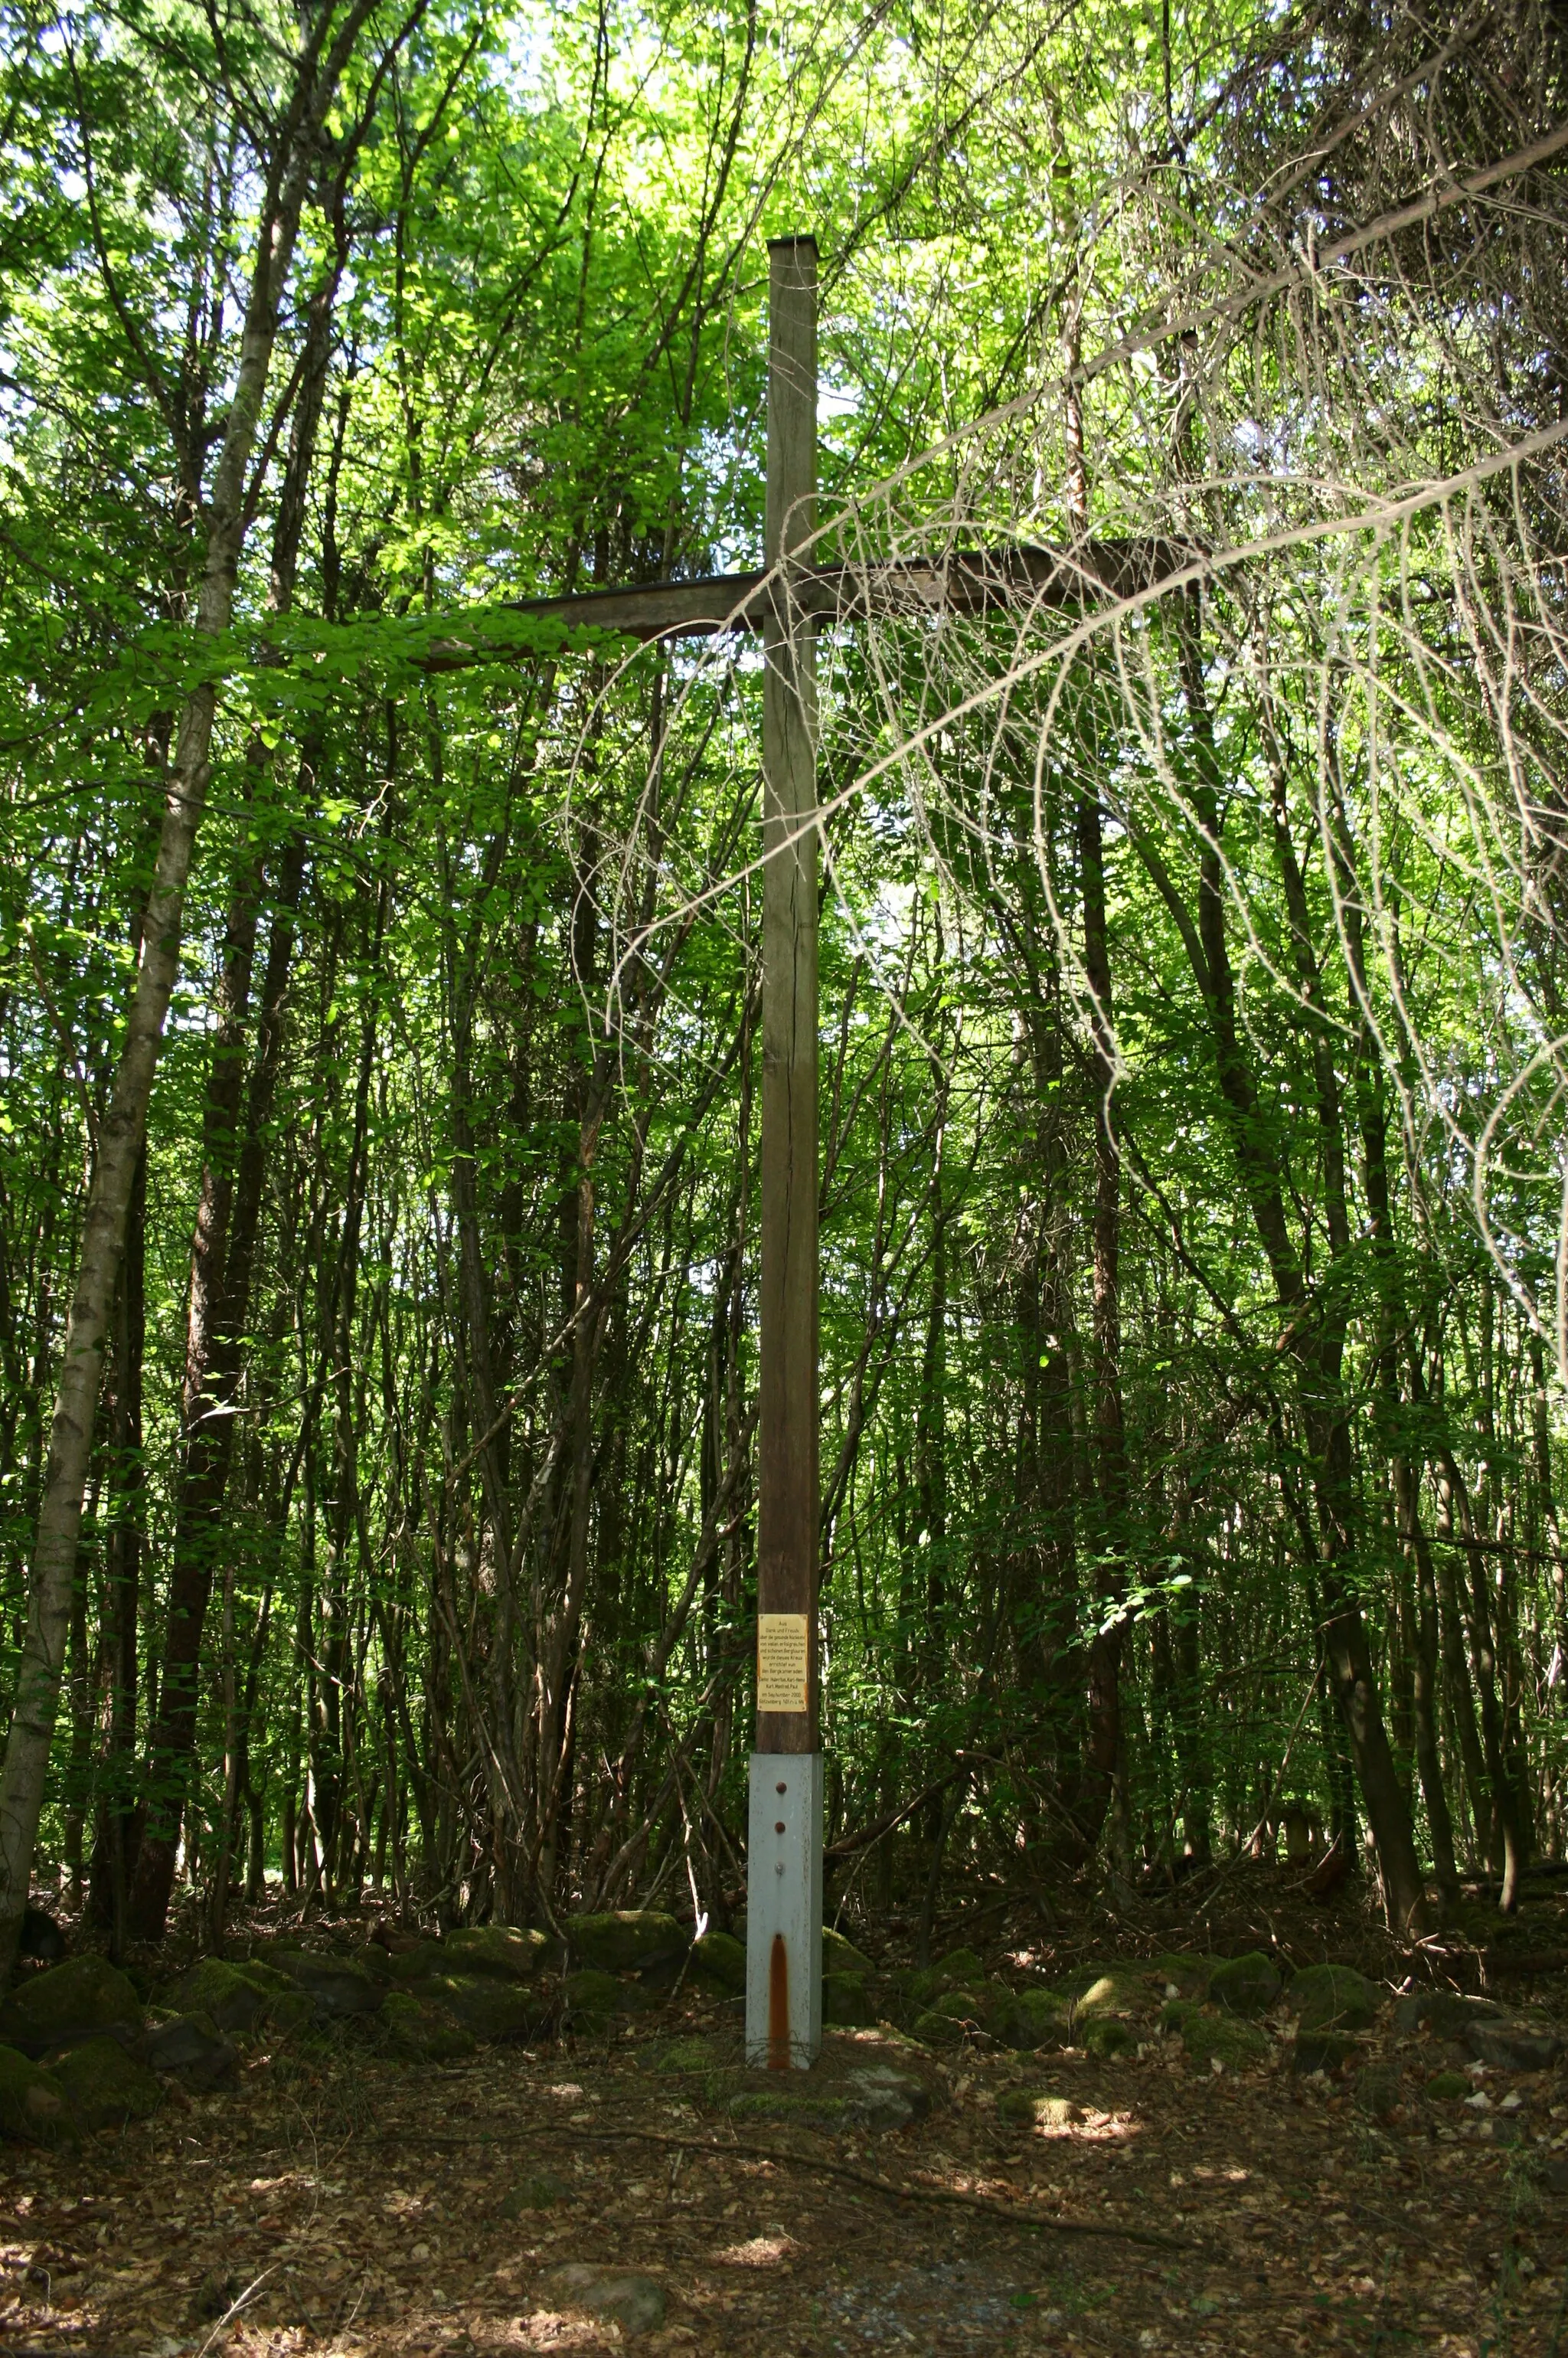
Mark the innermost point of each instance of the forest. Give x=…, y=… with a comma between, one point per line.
x=381, y=978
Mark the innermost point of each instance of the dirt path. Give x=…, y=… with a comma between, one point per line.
x=371, y=2208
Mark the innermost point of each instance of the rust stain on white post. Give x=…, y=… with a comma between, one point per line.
x=785, y=1867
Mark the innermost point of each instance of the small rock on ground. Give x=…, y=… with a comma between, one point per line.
x=423, y=2034
x=881, y=2098
x=841, y=1956
x=487, y=2008
x=32, y=2102
x=512, y=1953
x=624, y=1939
x=1445, y=2012
x=594, y=2000
x=846, y=1998
x=191, y=2045
x=1515, y=2046
x=417, y=1963
x=619, y=2296
x=1037, y=2112
x=337, y=1986
x=1323, y=2051
x=235, y=1997
x=719, y=1959
x=1333, y=1998
x=104, y=2086
x=71, y=2001
x=1246, y=1985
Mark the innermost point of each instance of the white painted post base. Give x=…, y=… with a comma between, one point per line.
x=784, y=1902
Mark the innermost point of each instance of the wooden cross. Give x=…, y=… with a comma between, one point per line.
x=783, y=1944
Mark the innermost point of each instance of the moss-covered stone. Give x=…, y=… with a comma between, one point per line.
x=1111, y=2037
x=1114, y=1992
x=1237, y=2044
x=1181, y=1975
x=938, y=2030
x=487, y=2009
x=718, y=1961
x=685, y=2058
x=1333, y=1998
x=846, y=1998
x=1056, y=2113
x=420, y=2033
x=235, y=1997
x=1031, y=2110
x=959, y=1969
x=265, y=1976
x=193, y=2046
x=104, y=2086
x=841, y=1956
x=289, y=2012
x=412, y=1966
x=33, y=2105
x=1245, y=1986
x=1448, y=2088
x=592, y=2000
x=338, y=1986
x=1041, y=2020
x=624, y=1939
x=69, y=2002
x=960, y=1965
x=1446, y=2013
x=986, y=2010
x=705, y=2068
x=512, y=1953
x=1323, y=2051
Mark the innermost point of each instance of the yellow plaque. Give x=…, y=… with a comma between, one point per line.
x=780, y=1662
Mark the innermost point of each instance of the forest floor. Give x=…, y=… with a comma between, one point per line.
x=336, y=2202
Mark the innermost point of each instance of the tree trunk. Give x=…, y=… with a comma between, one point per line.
x=1424, y=1693
x=121, y=1134
x=122, y=1581
x=1104, y=1759
x=1541, y=1435
x=228, y=1215
x=80, y=1688
x=1316, y=1347
x=220, y=1303
x=1453, y=1502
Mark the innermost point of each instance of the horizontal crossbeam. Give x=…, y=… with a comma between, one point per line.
x=966, y=581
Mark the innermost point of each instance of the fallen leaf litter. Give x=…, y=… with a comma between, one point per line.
x=335, y=2203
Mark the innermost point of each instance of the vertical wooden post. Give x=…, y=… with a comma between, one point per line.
x=784, y=1870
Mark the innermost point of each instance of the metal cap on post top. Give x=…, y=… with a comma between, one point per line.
x=783, y=1972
